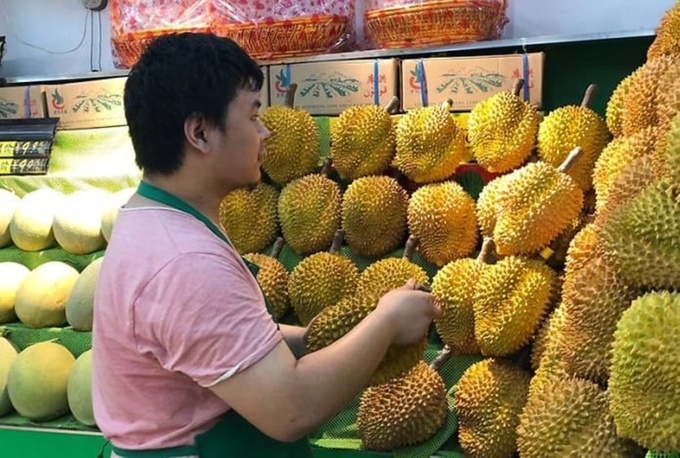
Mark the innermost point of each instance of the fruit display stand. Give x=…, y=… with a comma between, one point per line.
x=106, y=161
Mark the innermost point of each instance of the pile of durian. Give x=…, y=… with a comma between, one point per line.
x=564, y=273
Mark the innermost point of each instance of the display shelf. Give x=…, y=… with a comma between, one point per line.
x=490, y=46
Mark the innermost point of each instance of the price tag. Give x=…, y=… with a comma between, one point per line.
x=25, y=148
x=7, y=149
x=23, y=166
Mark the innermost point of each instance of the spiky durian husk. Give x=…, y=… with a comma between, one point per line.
x=242, y=210
x=293, y=145
x=273, y=279
x=404, y=411
x=387, y=274
x=567, y=128
x=489, y=398
x=309, y=210
x=374, y=215
x=614, y=112
x=502, y=131
x=362, y=141
x=320, y=280
x=430, y=144
x=667, y=41
x=442, y=217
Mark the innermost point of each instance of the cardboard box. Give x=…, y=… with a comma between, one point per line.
x=328, y=88
x=89, y=104
x=21, y=102
x=468, y=80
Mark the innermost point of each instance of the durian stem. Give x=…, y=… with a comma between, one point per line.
x=337, y=241
x=570, y=160
x=410, y=248
x=448, y=104
x=517, y=88
x=589, y=96
x=3, y=331
x=442, y=357
x=393, y=105
x=488, y=247
x=277, y=247
x=289, y=99
x=326, y=167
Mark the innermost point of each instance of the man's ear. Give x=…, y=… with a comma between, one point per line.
x=195, y=131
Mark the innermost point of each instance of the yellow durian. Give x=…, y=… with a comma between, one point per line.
x=273, y=278
x=309, y=210
x=321, y=280
x=502, y=130
x=570, y=127
x=362, y=141
x=489, y=398
x=667, y=40
x=442, y=217
x=293, y=145
x=430, y=144
x=614, y=111
x=402, y=412
x=242, y=210
x=374, y=215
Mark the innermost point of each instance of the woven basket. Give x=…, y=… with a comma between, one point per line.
x=436, y=23
x=129, y=46
x=294, y=37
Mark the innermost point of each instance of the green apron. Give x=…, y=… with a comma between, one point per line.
x=232, y=436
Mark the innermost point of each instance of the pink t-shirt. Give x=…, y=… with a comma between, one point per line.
x=176, y=311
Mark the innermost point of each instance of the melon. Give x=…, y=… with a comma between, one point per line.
x=31, y=224
x=78, y=222
x=8, y=203
x=79, y=389
x=80, y=304
x=117, y=200
x=12, y=274
x=41, y=297
x=38, y=379
x=7, y=356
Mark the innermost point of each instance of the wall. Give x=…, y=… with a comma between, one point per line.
x=58, y=25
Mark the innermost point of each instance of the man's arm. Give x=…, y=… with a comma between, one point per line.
x=286, y=398
x=294, y=337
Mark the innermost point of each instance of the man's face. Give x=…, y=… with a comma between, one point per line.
x=239, y=144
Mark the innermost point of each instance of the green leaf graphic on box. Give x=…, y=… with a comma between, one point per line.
x=416, y=76
x=98, y=101
x=479, y=80
x=58, y=99
x=281, y=78
x=7, y=108
x=330, y=86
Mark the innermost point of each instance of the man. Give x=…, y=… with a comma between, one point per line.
x=187, y=360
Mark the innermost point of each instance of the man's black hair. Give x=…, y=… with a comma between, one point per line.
x=178, y=76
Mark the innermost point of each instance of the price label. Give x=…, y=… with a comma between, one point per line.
x=25, y=148
x=21, y=166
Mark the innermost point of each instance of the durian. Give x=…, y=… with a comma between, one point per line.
x=273, y=278
x=453, y=290
x=502, y=130
x=667, y=40
x=671, y=151
x=404, y=411
x=593, y=298
x=362, y=141
x=489, y=398
x=569, y=417
x=530, y=207
x=374, y=215
x=442, y=217
x=511, y=298
x=614, y=111
x=309, y=210
x=293, y=145
x=617, y=156
x=570, y=127
x=249, y=217
x=321, y=280
x=545, y=335
x=387, y=274
x=645, y=372
x=641, y=238
x=430, y=144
